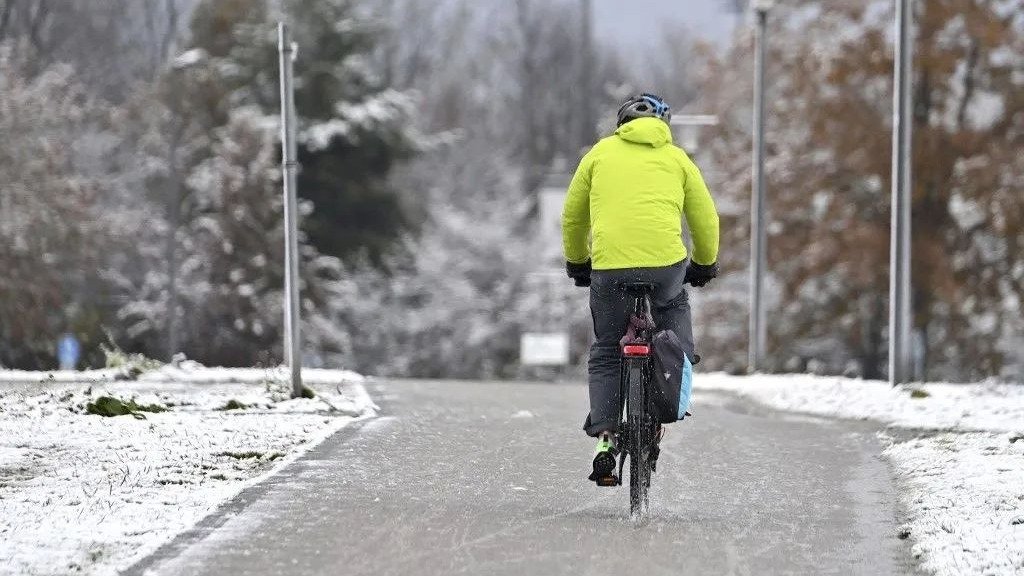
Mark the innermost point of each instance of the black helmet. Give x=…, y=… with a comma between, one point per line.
x=644, y=106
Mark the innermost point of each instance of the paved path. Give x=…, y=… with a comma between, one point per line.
x=488, y=478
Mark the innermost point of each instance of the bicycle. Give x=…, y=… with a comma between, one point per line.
x=639, y=430
x=637, y=427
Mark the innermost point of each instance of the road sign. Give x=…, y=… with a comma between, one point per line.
x=550, y=199
x=544, y=349
x=690, y=126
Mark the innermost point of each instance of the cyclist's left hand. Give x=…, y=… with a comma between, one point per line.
x=700, y=274
x=580, y=273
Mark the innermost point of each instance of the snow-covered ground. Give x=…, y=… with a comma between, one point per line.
x=87, y=494
x=965, y=498
x=961, y=475
x=82, y=493
x=962, y=407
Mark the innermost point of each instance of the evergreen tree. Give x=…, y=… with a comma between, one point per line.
x=222, y=106
x=353, y=129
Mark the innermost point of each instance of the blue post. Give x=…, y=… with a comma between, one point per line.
x=68, y=351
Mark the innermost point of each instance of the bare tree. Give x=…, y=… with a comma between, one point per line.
x=110, y=44
x=735, y=6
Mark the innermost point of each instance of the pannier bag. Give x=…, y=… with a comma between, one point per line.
x=673, y=378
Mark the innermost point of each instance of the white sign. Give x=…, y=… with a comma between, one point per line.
x=690, y=126
x=550, y=230
x=536, y=349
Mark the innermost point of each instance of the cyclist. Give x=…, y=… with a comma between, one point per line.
x=622, y=222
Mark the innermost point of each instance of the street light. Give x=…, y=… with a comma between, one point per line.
x=899, y=254
x=758, y=251
x=587, y=91
x=287, y=52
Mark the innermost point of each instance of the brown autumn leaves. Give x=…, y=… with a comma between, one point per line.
x=829, y=146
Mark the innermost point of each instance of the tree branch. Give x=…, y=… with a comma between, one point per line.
x=37, y=19
x=5, y=17
x=171, y=32
x=969, y=83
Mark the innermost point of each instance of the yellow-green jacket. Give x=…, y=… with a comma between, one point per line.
x=630, y=194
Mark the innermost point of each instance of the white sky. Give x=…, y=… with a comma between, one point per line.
x=639, y=22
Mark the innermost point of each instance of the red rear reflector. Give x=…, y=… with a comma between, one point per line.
x=636, y=350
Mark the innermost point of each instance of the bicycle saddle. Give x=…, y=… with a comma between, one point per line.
x=637, y=288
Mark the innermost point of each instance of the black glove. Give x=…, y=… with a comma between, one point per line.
x=579, y=272
x=700, y=274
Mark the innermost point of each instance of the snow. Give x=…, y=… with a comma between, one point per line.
x=185, y=371
x=985, y=407
x=372, y=114
x=189, y=58
x=89, y=494
x=961, y=479
x=965, y=501
x=966, y=212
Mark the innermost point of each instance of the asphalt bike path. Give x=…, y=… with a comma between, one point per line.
x=489, y=478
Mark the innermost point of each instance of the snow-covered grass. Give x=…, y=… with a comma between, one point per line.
x=82, y=493
x=961, y=478
x=978, y=407
x=965, y=499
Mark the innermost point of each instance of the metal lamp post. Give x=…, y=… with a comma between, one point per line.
x=289, y=164
x=588, y=93
x=758, y=250
x=899, y=255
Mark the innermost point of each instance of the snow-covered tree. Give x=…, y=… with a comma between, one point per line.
x=110, y=45
x=353, y=128
x=829, y=173
x=232, y=264
x=219, y=117
x=54, y=234
x=455, y=302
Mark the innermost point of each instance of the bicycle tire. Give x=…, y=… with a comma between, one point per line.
x=639, y=441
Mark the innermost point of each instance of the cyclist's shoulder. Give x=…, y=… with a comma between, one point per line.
x=684, y=159
x=605, y=143
x=679, y=152
x=600, y=149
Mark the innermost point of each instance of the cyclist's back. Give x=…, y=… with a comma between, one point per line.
x=632, y=190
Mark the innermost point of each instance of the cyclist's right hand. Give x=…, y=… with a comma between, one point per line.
x=580, y=273
x=700, y=274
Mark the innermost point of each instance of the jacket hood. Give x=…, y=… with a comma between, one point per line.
x=652, y=131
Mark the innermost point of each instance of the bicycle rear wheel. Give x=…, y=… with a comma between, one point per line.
x=639, y=442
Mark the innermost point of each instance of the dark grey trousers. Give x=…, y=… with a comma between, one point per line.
x=608, y=307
